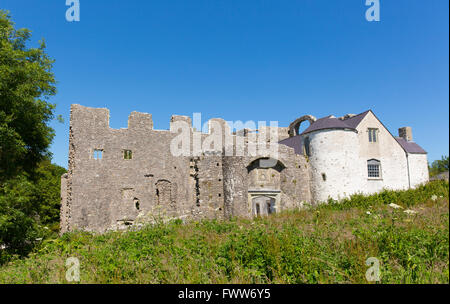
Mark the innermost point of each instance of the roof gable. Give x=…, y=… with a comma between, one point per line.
x=407, y=146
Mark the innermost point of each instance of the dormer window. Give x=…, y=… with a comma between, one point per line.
x=373, y=135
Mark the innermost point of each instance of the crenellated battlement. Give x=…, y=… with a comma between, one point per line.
x=98, y=118
x=140, y=121
x=85, y=117
x=95, y=119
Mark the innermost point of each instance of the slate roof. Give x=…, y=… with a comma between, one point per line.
x=355, y=120
x=410, y=146
x=295, y=142
x=328, y=122
x=351, y=123
x=331, y=122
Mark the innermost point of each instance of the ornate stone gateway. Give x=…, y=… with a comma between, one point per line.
x=264, y=190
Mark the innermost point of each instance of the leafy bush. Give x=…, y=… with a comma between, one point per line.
x=439, y=166
x=29, y=209
x=408, y=198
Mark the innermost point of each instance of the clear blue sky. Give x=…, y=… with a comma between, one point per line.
x=249, y=60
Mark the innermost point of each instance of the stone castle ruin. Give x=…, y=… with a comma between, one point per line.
x=122, y=177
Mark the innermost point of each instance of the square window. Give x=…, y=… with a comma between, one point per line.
x=373, y=169
x=127, y=154
x=98, y=154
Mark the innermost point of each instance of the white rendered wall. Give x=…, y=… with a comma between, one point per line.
x=418, y=169
x=388, y=151
x=334, y=153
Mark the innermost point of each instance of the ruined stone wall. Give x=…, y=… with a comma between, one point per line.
x=64, y=213
x=210, y=187
x=296, y=181
x=112, y=190
x=120, y=177
x=235, y=186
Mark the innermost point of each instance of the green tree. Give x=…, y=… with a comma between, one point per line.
x=18, y=217
x=439, y=166
x=29, y=183
x=47, y=193
x=26, y=84
x=29, y=208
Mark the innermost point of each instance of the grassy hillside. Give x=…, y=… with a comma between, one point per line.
x=327, y=244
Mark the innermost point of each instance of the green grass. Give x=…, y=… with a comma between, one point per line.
x=327, y=244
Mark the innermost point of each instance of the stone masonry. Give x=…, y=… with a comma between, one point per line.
x=119, y=178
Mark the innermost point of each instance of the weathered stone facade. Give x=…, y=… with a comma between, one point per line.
x=113, y=192
x=117, y=178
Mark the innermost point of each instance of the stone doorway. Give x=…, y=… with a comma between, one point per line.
x=263, y=206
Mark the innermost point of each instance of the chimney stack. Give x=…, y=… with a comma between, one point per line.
x=406, y=133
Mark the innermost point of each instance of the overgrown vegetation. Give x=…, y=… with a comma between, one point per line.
x=29, y=183
x=29, y=209
x=327, y=244
x=439, y=166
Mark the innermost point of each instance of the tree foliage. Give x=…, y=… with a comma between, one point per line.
x=27, y=205
x=29, y=183
x=26, y=83
x=439, y=166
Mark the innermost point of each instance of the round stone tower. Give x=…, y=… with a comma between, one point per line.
x=332, y=151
